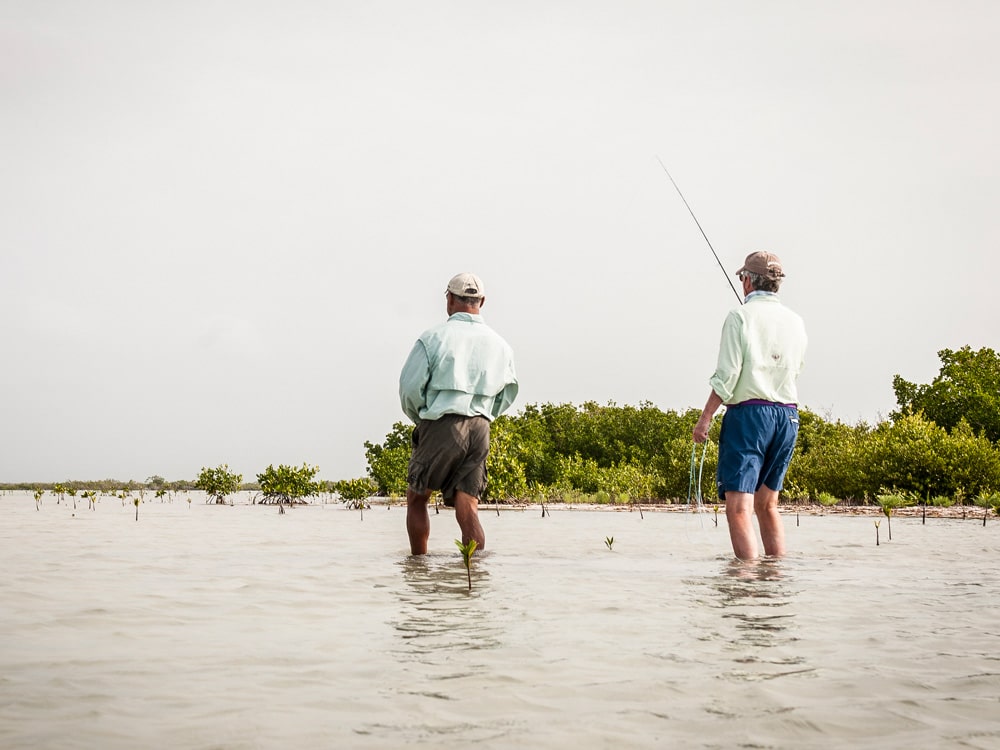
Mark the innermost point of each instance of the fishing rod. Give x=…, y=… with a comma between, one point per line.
x=724, y=273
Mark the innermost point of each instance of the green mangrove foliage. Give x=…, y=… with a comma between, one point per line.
x=621, y=454
x=967, y=388
x=910, y=454
x=218, y=483
x=355, y=492
x=287, y=485
x=387, y=461
x=563, y=452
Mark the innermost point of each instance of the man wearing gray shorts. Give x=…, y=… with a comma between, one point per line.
x=458, y=378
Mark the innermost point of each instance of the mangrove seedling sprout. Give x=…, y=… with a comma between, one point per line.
x=467, y=549
x=136, y=501
x=877, y=522
x=610, y=541
x=892, y=500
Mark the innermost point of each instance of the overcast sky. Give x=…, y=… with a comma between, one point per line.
x=225, y=223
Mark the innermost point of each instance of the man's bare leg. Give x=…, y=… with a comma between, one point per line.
x=772, y=530
x=467, y=515
x=418, y=521
x=739, y=516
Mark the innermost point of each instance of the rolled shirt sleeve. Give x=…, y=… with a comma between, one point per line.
x=730, y=362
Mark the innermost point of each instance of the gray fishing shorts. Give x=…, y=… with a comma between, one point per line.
x=449, y=454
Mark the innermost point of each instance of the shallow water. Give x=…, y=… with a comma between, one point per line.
x=237, y=627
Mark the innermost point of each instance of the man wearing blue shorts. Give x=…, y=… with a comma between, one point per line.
x=761, y=354
x=458, y=378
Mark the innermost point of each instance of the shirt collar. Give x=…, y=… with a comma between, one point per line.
x=759, y=293
x=467, y=317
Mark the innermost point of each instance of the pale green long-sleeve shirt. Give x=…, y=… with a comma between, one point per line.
x=761, y=353
x=461, y=366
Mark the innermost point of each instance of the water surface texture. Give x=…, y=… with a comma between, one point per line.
x=239, y=627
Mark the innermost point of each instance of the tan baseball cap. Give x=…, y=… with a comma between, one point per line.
x=763, y=264
x=466, y=285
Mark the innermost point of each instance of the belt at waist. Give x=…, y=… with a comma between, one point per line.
x=761, y=402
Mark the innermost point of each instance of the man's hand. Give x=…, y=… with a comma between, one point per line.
x=700, y=432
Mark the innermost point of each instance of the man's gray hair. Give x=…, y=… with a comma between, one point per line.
x=472, y=301
x=762, y=283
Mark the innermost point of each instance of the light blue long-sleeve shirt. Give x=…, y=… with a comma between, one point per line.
x=461, y=366
x=762, y=352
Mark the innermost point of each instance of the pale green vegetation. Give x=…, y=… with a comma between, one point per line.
x=218, y=483
x=467, y=549
x=288, y=485
x=356, y=492
x=826, y=498
x=890, y=501
x=616, y=454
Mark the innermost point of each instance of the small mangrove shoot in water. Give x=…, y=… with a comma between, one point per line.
x=467, y=549
x=892, y=500
x=876, y=532
x=987, y=501
x=610, y=541
x=136, y=501
x=38, y=499
x=716, y=509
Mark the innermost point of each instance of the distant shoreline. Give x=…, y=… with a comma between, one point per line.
x=786, y=508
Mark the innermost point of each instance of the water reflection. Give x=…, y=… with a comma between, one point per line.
x=438, y=612
x=755, y=596
x=445, y=650
x=758, y=628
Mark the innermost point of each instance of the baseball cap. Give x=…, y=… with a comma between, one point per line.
x=466, y=285
x=763, y=264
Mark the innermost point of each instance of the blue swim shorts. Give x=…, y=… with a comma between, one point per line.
x=755, y=447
